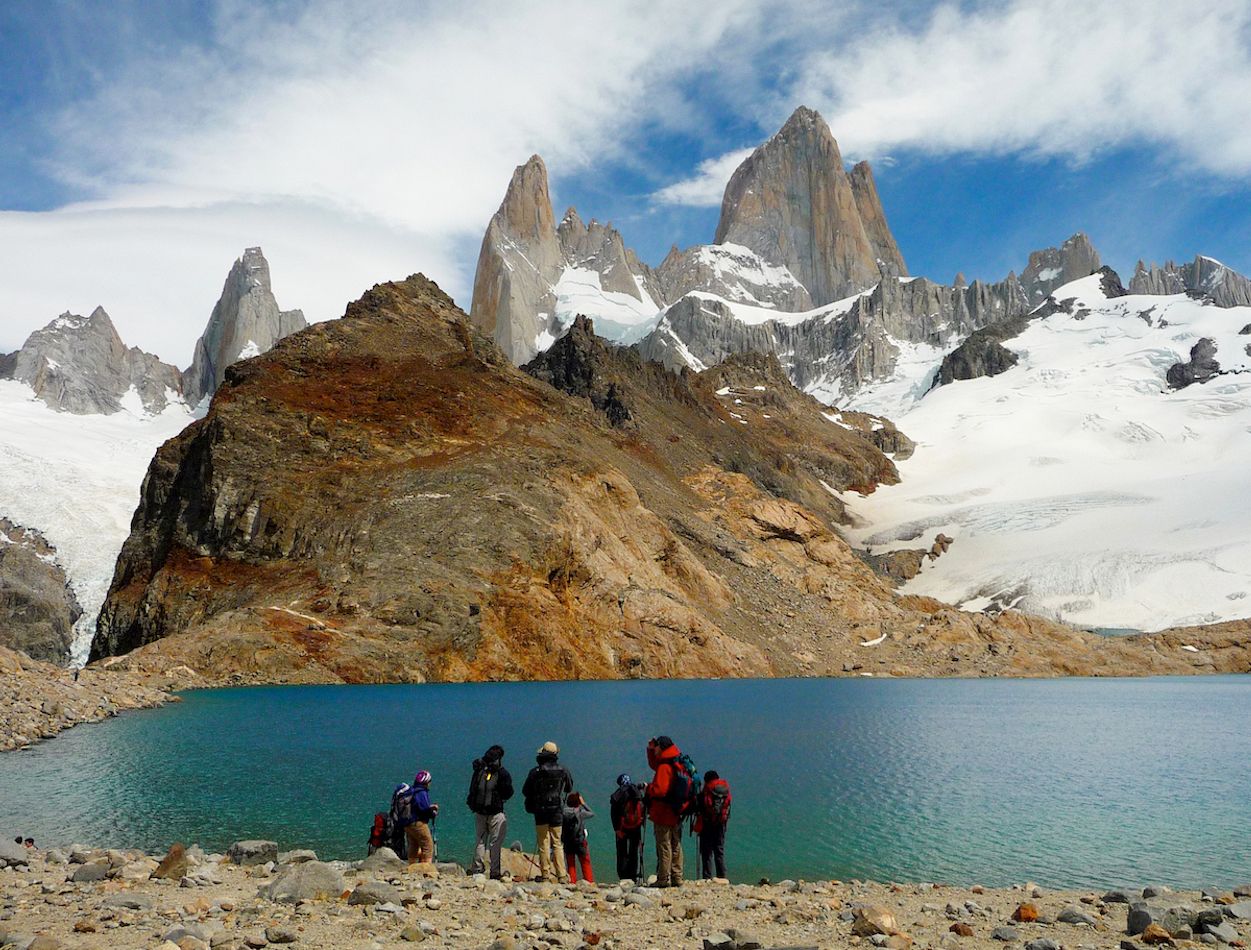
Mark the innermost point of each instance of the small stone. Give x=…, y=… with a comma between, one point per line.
x=1129, y=945
x=86, y=926
x=961, y=929
x=719, y=941
x=638, y=900
x=1042, y=943
x=1239, y=911
x=1075, y=915
x=1155, y=890
x=255, y=941
x=383, y=861
x=1118, y=897
x=1025, y=914
x=298, y=856
x=1155, y=934
x=280, y=935
x=1005, y=934
x=414, y=934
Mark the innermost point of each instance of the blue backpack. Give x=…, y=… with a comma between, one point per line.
x=402, y=810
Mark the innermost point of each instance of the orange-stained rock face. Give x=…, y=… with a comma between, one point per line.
x=385, y=498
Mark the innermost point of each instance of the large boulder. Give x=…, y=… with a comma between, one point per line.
x=13, y=855
x=383, y=861
x=248, y=853
x=310, y=881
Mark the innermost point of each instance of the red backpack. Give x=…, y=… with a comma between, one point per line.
x=715, y=803
x=634, y=814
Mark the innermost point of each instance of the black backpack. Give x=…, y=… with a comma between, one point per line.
x=549, y=787
x=573, y=830
x=484, y=796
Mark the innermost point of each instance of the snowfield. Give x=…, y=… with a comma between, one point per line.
x=1076, y=485
x=76, y=478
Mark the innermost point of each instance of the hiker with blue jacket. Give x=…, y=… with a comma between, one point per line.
x=417, y=833
x=547, y=787
x=489, y=788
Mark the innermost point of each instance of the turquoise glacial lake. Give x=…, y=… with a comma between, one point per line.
x=1073, y=782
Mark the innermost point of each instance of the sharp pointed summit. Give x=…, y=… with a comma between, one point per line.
x=245, y=322
x=792, y=202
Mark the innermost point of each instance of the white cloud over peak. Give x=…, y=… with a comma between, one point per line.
x=1049, y=78
x=355, y=142
x=704, y=189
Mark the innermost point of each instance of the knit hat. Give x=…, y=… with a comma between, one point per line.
x=549, y=747
x=622, y=780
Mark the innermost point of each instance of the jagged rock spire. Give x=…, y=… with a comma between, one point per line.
x=245, y=322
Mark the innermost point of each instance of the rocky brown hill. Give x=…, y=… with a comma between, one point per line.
x=386, y=497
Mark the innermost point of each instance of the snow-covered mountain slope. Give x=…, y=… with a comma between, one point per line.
x=1077, y=484
x=76, y=479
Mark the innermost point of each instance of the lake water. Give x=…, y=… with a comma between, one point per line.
x=1067, y=782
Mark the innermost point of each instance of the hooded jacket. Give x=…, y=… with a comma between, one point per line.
x=706, y=819
x=664, y=761
x=503, y=784
x=548, y=773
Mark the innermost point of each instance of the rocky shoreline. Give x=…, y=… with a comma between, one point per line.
x=40, y=700
x=255, y=896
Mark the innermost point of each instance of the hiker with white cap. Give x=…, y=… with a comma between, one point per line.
x=545, y=791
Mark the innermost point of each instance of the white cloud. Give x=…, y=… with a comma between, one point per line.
x=353, y=141
x=1054, y=78
x=1064, y=78
x=705, y=188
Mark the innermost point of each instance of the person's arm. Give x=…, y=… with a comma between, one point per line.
x=615, y=809
x=586, y=810
x=505, y=784
x=567, y=789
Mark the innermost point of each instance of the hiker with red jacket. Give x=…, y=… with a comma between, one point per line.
x=710, y=822
x=667, y=797
x=628, y=812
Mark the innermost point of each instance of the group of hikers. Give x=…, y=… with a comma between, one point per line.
x=675, y=797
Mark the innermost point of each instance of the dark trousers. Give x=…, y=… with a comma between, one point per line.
x=712, y=851
x=630, y=855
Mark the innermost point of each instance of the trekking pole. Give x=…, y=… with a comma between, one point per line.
x=434, y=837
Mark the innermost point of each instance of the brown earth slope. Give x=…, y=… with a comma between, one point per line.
x=385, y=498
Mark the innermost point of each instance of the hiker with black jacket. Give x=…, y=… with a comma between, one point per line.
x=489, y=788
x=546, y=788
x=710, y=822
x=629, y=814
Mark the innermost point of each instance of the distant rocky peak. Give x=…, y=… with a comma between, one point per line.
x=1053, y=267
x=1206, y=276
x=245, y=322
x=792, y=202
x=80, y=364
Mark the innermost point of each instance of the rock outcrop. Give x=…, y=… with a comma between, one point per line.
x=793, y=203
x=1201, y=366
x=1056, y=266
x=245, y=322
x=80, y=364
x=38, y=609
x=1223, y=285
x=731, y=271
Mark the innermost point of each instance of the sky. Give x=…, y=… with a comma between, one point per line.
x=145, y=143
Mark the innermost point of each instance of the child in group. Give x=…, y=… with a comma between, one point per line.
x=573, y=837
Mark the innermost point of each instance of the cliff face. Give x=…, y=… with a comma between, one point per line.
x=245, y=322
x=792, y=202
x=80, y=364
x=386, y=498
x=37, y=608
